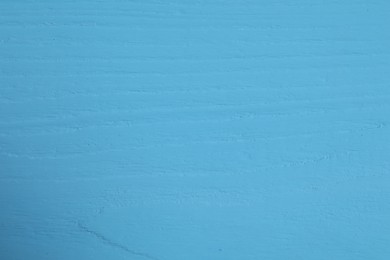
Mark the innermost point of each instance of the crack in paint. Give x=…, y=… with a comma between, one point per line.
x=114, y=244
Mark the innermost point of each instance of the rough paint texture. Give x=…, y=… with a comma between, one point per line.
x=195, y=130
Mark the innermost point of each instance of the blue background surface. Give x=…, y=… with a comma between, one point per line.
x=194, y=129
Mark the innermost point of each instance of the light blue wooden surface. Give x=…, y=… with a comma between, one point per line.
x=194, y=130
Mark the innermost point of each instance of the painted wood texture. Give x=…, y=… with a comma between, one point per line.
x=194, y=129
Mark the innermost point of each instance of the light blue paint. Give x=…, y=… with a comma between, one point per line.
x=191, y=130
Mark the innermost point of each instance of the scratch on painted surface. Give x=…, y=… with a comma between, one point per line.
x=113, y=244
